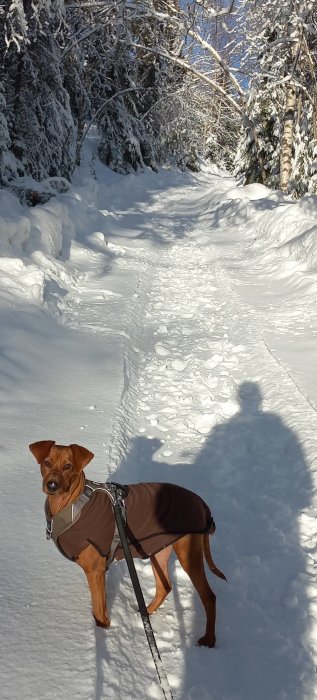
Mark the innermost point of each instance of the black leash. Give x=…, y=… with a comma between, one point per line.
x=120, y=516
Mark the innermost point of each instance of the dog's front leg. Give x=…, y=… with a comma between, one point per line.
x=94, y=566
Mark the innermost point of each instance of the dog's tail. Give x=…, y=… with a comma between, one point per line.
x=210, y=562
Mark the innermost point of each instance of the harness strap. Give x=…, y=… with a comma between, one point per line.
x=66, y=518
x=117, y=493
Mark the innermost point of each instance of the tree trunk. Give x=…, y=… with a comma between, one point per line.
x=287, y=139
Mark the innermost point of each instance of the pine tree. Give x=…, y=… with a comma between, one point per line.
x=136, y=87
x=38, y=112
x=8, y=169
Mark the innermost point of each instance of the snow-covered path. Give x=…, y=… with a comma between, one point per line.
x=216, y=412
x=183, y=379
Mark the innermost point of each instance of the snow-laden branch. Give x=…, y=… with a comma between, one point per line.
x=83, y=33
x=202, y=76
x=215, y=14
x=212, y=51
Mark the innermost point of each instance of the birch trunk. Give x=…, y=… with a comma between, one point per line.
x=287, y=139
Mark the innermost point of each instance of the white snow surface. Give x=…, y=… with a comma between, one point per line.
x=167, y=322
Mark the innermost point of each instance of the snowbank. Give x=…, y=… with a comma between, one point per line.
x=282, y=228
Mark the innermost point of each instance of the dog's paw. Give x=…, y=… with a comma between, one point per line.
x=105, y=624
x=206, y=641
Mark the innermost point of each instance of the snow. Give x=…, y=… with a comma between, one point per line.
x=167, y=322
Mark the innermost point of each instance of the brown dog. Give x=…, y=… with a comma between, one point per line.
x=160, y=517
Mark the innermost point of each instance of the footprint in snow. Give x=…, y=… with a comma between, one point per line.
x=178, y=365
x=203, y=423
x=213, y=361
x=161, y=350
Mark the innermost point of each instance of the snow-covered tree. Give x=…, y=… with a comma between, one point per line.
x=74, y=32
x=117, y=94
x=132, y=83
x=38, y=113
x=279, y=140
x=8, y=168
x=199, y=49
x=115, y=88
x=131, y=68
x=163, y=82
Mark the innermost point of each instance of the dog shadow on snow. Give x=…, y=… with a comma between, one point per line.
x=252, y=472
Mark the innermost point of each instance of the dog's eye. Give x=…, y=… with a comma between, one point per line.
x=67, y=466
x=46, y=463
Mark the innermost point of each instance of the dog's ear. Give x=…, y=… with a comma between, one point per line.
x=41, y=449
x=82, y=457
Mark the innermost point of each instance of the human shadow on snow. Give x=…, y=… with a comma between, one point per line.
x=251, y=470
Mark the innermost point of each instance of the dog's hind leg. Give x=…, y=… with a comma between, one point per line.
x=159, y=563
x=189, y=550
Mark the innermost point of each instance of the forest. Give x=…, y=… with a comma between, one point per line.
x=230, y=81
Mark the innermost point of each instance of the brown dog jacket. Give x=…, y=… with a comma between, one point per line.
x=157, y=515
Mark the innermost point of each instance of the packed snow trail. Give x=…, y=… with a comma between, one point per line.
x=171, y=370
x=207, y=405
x=199, y=421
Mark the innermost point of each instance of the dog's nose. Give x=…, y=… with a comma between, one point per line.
x=52, y=486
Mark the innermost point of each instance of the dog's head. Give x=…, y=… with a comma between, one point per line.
x=61, y=465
